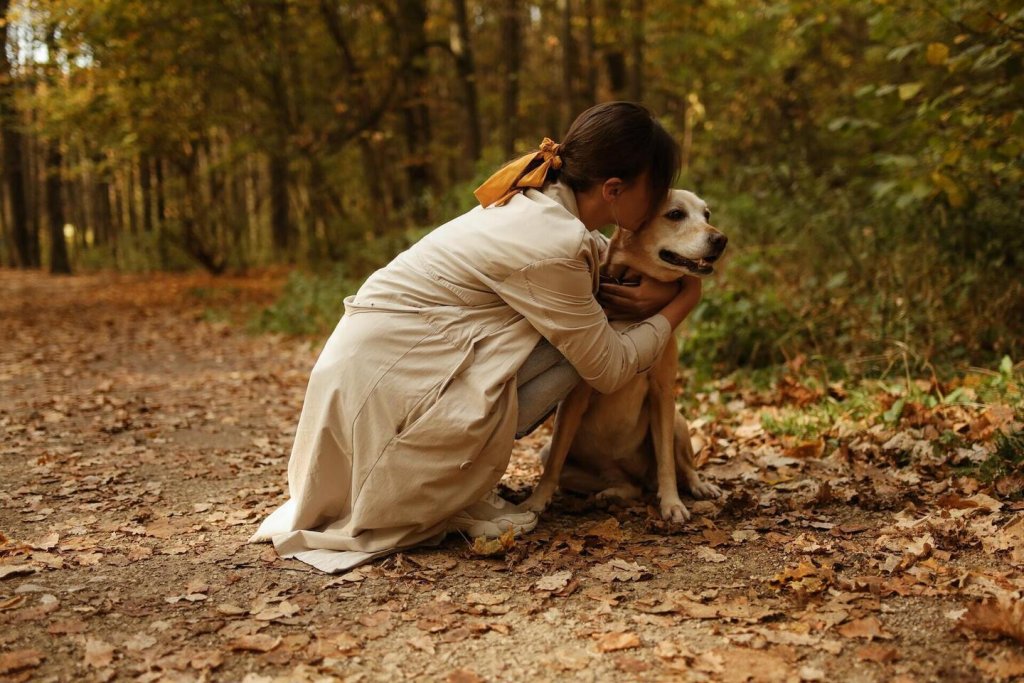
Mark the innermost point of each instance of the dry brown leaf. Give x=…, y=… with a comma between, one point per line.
x=98, y=653
x=463, y=676
x=876, y=652
x=619, y=570
x=206, y=659
x=20, y=659
x=9, y=570
x=48, y=542
x=709, y=555
x=487, y=547
x=12, y=603
x=259, y=642
x=422, y=643
x=486, y=598
x=554, y=582
x=570, y=660
x=996, y=617
x=608, y=530
x=1003, y=667
x=868, y=627
x=617, y=640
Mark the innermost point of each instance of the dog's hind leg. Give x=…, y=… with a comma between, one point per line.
x=567, y=421
x=684, y=462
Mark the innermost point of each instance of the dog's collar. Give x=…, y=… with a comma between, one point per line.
x=609, y=280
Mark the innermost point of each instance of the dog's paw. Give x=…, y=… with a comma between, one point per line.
x=618, y=493
x=537, y=502
x=703, y=490
x=674, y=511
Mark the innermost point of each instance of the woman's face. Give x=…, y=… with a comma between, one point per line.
x=632, y=205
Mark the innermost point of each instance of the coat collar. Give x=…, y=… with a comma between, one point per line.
x=563, y=194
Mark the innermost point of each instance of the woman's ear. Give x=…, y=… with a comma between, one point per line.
x=612, y=188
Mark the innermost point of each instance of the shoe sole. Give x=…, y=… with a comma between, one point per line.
x=490, y=529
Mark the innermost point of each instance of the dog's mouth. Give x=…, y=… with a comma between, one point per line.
x=701, y=266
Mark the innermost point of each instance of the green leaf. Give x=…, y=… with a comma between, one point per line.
x=909, y=90
x=892, y=415
x=898, y=54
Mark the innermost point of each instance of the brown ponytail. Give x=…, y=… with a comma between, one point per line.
x=618, y=140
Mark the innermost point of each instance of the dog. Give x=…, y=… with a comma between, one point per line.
x=604, y=443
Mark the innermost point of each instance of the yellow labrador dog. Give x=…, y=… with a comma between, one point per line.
x=616, y=444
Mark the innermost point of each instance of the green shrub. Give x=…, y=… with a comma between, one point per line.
x=309, y=304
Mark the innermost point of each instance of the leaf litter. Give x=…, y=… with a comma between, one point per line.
x=143, y=443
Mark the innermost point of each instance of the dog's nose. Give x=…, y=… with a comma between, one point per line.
x=718, y=241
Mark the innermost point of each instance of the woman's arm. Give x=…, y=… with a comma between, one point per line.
x=555, y=296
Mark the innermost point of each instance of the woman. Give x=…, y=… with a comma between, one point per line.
x=469, y=339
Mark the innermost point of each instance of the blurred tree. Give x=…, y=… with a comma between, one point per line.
x=26, y=241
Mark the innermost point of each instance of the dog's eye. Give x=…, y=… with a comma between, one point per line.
x=707, y=214
x=675, y=215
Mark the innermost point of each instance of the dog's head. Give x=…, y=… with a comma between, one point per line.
x=679, y=240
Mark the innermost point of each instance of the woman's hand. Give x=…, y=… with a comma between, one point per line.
x=687, y=299
x=636, y=301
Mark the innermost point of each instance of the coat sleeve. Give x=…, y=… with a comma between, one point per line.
x=555, y=296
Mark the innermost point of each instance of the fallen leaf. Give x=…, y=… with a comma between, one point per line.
x=259, y=642
x=463, y=676
x=868, y=627
x=619, y=570
x=617, y=640
x=485, y=547
x=996, y=617
x=554, y=582
x=98, y=653
x=570, y=660
x=1003, y=667
x=206, y=659
x=709, y=555
x=608, y=530
x=20, y=659
x=486, y=598
x=422, y=643
x=875, y=652
x=7, y=571
x=48, y=542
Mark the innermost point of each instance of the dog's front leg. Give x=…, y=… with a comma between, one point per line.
x=567, y=421
x=663, y=412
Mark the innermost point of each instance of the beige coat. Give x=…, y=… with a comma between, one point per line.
x=410, y=412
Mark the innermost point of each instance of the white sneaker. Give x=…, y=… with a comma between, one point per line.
x=491, y=517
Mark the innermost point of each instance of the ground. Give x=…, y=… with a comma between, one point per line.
x=145, y=433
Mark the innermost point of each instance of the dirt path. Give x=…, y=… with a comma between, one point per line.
x=141, y=443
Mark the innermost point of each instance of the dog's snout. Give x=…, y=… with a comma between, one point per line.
x=718, y=241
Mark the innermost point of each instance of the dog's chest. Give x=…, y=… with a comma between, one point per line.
x=615, y=425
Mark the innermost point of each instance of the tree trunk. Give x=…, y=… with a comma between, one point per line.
x=568, y=97
x=133, y=217
x=280, y=226
x=466, y=68
x=590, y=92
x=146, y=185
x=26, y=242
x=101, y=203
x=161, y=199
x=511, y=48
x=412, y=17
x=59, y=262
x=636, y=81
x=614, y=57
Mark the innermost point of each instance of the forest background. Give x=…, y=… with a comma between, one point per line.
x=863, y=155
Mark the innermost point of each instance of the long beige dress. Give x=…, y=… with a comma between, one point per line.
x=410, y=411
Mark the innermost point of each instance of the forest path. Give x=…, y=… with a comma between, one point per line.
x=142, y=440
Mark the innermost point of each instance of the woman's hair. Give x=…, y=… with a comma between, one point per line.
x=619, y=140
